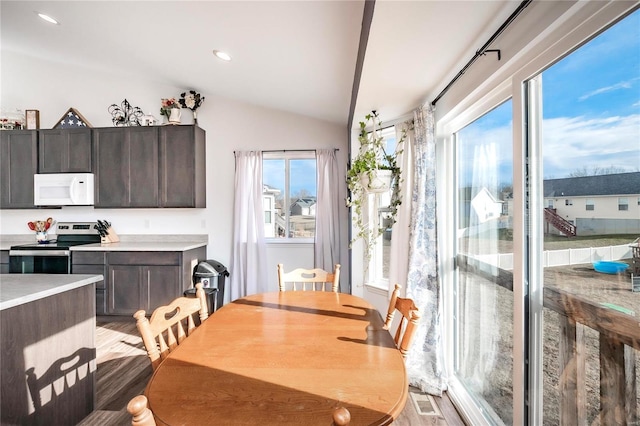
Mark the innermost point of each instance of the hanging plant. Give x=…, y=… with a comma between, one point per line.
x=373, y=171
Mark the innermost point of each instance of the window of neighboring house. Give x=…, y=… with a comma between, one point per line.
x=550, y=203
x=568, y=202
x=590, y=204
x=623, y=203
x=289, y=183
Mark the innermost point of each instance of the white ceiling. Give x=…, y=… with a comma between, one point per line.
x=297, y=56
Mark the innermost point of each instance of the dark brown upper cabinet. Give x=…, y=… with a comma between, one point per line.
x=126, y=167
x=182, y=167
x=64, y=151
x=18, y=164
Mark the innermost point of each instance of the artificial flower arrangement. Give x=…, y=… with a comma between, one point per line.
x=167, y=105
x=191, y=100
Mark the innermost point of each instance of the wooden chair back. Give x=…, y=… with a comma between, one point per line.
x=171, y=324
x=313, y=279
x=141, y=415
x=410, y=317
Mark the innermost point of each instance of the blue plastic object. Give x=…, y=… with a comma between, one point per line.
x=610, y=267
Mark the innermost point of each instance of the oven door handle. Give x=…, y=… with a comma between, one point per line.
x=39, y=253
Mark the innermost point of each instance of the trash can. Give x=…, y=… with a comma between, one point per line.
x=206, y=272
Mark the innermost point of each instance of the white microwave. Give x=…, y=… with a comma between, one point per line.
x=63, y=189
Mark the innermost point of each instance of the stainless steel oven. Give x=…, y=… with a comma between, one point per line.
x=53, y=257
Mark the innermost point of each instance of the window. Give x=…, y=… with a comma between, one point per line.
x=589, y=205
x=381, y=256
x=568, y=202
x=289, y=191
x=623, y=203
x=550, y=203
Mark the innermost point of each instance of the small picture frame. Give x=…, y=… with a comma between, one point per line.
x=32, y=119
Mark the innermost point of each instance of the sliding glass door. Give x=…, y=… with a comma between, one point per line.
x=544, y=310
x=484, y=306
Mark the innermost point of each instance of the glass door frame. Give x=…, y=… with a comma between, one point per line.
x=580, y=23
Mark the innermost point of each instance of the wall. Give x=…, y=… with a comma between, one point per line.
x=51, y=88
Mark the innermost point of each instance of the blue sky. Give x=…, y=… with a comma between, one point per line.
x=303, y=175
x=591, y=108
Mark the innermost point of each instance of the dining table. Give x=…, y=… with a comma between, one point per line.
x=283, y=358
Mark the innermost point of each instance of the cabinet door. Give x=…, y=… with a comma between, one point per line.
x=126, y=167
x=65, y=151
x=18, y=164
x=162, y=285
x=4, y=261
x=125, y=290
x=182, y=167
x=135, y=287
x=93, y=263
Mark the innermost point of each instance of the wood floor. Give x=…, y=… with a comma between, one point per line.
x=124, y=370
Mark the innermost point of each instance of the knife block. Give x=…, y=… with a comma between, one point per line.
x=111, y=237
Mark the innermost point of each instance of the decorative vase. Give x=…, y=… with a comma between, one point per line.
x=174, y=118
x=41, y=236
x=195, y=117
x=376, y=181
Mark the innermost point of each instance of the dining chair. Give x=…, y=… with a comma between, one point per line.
x=407, y=327
x=166, y=328
x=141, y=415
x=313, y=277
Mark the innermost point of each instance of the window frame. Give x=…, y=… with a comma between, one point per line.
x=287, y=156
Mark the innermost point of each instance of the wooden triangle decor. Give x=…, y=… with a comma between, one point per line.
x=72, y=119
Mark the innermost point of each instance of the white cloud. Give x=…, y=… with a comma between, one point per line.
x=622, y=85
x=573, y=143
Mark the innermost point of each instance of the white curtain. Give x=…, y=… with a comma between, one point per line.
x=478, y=333
x=248, y=273
x=327, y=242
x=424, y=361
x=399, y=258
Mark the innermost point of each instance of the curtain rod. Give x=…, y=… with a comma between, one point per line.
x=291, y=150
x=483, y=50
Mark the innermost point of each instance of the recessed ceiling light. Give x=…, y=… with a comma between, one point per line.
x=222, y=55
x=47, y=18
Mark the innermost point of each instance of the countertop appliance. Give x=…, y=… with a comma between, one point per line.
x=63, y=189
x=53, y=257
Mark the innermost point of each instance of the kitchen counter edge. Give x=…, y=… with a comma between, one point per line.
x=18, y=289
x=142, y=246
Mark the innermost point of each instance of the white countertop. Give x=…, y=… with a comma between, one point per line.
x=127, y=243
x=141, y=246
x=18, y=289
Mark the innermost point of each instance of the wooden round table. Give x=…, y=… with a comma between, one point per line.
x=283, y=358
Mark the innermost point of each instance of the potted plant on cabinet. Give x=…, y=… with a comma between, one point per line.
x=373, y=171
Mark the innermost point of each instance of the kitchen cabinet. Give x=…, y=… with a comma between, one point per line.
x=18, y=164
x=64, y=151
x=145, y=280
x=182, y=166
x=126, y=167
x=4, y=261
x=95, y=263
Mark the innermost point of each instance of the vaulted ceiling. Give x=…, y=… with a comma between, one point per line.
x=297, y=56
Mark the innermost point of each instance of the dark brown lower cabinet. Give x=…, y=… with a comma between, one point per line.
x=94, y=263
x=135, y=280
x=134, y=287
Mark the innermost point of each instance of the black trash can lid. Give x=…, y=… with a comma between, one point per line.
x=210, y=268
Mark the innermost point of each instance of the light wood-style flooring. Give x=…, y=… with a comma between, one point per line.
x=124, y=370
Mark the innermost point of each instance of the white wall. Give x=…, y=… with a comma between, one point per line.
x=51, y=88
